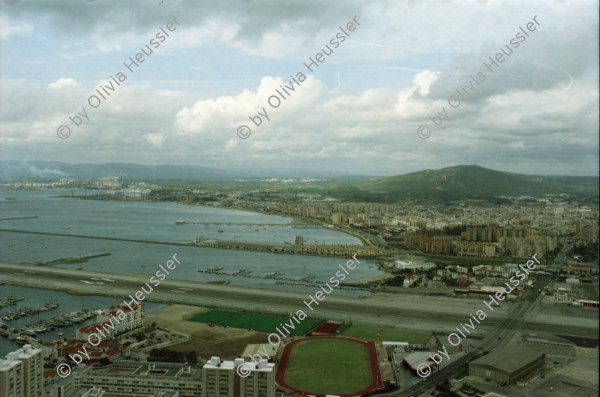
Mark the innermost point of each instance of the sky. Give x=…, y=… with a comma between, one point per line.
x=407, y=89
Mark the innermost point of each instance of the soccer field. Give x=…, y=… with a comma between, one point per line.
x=388, y=335
x=257, y=322
x=213, y=316
x=329, y=366
x=266, y=323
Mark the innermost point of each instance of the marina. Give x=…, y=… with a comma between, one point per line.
x=28, y=311
x=28, y=333
x=307, y=281
x=75, y=311
x=246, y=273
x=11, y=301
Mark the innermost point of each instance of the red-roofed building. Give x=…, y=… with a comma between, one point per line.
x=103, y=331
x=123, y=317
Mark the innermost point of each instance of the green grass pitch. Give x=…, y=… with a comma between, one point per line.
x=329, y=366
x=213, y=316
x=258, y=322
x=387, y=334
x=266, y=323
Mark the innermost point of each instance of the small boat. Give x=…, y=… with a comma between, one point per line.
x=220, y=230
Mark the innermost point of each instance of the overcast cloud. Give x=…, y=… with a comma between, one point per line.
x=358, y=113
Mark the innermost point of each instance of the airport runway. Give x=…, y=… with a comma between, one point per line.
x=252, y=299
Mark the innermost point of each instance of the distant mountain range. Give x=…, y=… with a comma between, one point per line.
x=466, y=182
x=448, y=184
x=40, y=171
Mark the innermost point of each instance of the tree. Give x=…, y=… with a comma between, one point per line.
x=192, y=357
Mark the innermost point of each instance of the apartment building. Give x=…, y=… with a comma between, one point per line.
x=128, y=318
x=11, y=377
x=135, y=379
x=475, y=249
x=21, y=373
x=113, y=322
x=260, y=382
x=221, y=379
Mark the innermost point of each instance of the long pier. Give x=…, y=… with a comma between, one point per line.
x=19, y=217
x=298, y=225
x=339, y=251
x=132, y=240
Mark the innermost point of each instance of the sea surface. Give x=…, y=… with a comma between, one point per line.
x=156, y=221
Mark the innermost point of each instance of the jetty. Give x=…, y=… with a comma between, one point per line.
x=28, y=311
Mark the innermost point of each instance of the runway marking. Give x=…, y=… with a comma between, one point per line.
x=187, y=289
x=19, y=274
x=180, y=292
x=29, y=271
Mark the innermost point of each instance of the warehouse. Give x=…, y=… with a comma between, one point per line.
x=507, y=366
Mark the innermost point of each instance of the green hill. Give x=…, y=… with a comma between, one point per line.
x=466, y=182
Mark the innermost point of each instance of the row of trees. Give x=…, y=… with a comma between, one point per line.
x=171, y=356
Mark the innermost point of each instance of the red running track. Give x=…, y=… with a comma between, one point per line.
x=376, y=374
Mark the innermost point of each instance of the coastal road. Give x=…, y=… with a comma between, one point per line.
x=339, y=308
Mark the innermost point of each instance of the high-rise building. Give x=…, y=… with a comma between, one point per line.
x=11, y=377
x=218, y=378
x=22, y=373
x=221, y=379
x=260, y=382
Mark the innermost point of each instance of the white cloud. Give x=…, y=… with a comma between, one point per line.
x=64, y=82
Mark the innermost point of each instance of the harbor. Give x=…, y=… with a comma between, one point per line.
x=246, y=273
x=307, y=281
x=28, y=311
x=11, y=301
x=75, y=311
x=28, y=333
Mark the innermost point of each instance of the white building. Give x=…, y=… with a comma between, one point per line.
x=22, y=373
x=401, y=265
x=221, y=379
x=260, y=382
x=136, y=379
x=123, y=317
x=218, y=378
x=11, y=377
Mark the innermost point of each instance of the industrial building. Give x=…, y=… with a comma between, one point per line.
x=507, y=366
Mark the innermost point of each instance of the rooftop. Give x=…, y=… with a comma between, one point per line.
x=150, y=369
x=509, y=360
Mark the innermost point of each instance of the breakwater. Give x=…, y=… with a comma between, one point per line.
x=96, y=237
x=340, y=251
x=19, y=217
